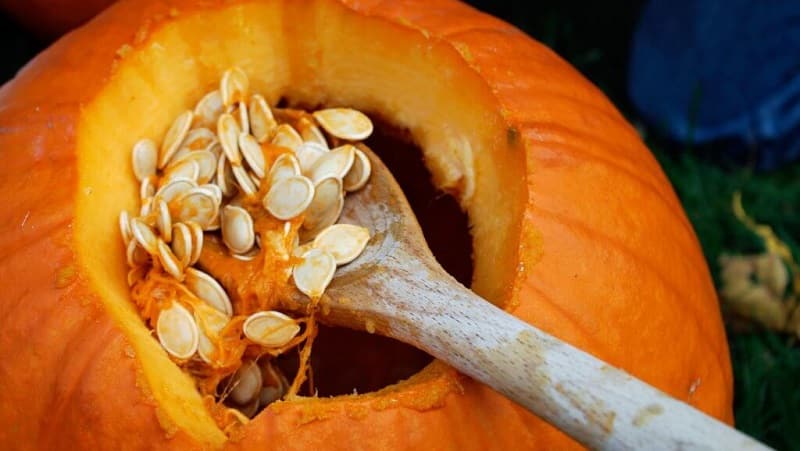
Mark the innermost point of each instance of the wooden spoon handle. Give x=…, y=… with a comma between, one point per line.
x=598, y=405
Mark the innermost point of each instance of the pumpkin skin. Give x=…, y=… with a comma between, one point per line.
x=576, y=229
x=52, y=18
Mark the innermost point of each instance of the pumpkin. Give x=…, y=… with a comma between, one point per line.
x=52, y=18
x=574, y=227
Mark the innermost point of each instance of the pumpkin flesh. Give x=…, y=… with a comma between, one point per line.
x=484, y=128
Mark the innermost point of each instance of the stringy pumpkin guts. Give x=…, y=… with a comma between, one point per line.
x=266, y=187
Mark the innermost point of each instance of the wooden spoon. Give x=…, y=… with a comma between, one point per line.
x=397, y=289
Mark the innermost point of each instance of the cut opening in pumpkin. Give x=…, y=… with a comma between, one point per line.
x=466, y=147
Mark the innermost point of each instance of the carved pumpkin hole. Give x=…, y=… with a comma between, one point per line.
x=345, y=361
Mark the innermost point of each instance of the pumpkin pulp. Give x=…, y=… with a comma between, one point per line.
x=169, y=70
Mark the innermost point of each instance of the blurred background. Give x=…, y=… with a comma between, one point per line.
x=714, y=89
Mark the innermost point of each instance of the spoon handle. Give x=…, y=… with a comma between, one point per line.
x=598, y=405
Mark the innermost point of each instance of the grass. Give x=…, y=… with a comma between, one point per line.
x=594, y=37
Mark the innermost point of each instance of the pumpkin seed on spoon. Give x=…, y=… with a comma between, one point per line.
x=289, y=197
x=345, y=123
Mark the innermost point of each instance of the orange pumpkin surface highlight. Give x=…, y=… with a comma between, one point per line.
x=575, y=227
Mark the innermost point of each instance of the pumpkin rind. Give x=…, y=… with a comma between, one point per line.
x=605, y=258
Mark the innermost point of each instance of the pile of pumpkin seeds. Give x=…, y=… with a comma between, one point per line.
x=196, y=181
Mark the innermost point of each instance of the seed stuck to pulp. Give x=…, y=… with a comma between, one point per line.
x=254, y=181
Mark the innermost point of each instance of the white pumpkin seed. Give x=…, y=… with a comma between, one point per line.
x=147, y=188
x=323, y=220
x=326, y=197
x=206, y=164
x=286, y=136
x=144, y=159
x=261, y=120
x=177, y=331
x=175, y=188
x=246, y=383
x=270, y=328
x=136, y=274
x=344, y=123
x=314, y=273
x=252, y=153
x=359, y=173
x=237, y=229
x=308, y=154
x=183, y=169
x=174, y=137
x=225, y=179
x=210, y=323
x=163, y=220
x=125, y=227
x=182, y=243
x=208, y=109
x=197, y=241
x=289, y=197
x=144, y=236
x=136, y=254
x=234, y=86
x=199, y=139
x=169, y=261
x=344, y=242
x=209, y=290
x=311, y=133
x=228, y=131
x=196, y=205
x=335, y=163
x=243, y=180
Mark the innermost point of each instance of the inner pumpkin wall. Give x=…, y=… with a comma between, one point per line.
x=312, y=53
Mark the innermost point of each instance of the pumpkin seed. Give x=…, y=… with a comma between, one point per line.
x=289, y=197
x=213, y=190
x=174, y=137
x=208, y=109
x=136, y=274
x=125, y=227
x=147, y=188
x=169, y=261
x=261, y=120
x=197, y=241
x=237, y=229
x=210, y=322
x=311, y=133
x=286, y=136
x=242, y=117
x=175, y=188
x=234, y=86
x=324, y=220
x=147, y=203
x=196, y=205
x=274, y=383
x=246, y=383
x=144, y=236
x=308, y=154
x=225, y=178
x=136, y=254
x=183, y=169
x=326, y=196
x=228, y=131
x=163, y=220
x=209, y=290
x=314, y=273
x=248, y=256
x=206, y=164
x=199, y=139
x=182, y=243
x=285, y=166
x=344, y=242
x=344, y=123
x=252, y=153
x=177, y=331
x=335, y=163
x=243, y=179
x=144, y=159
x=270, y=328
x=359, y=173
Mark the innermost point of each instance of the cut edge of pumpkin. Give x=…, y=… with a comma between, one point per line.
x=462, y=136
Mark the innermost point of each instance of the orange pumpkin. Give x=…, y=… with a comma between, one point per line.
x=575, y=227
x=52, y=18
